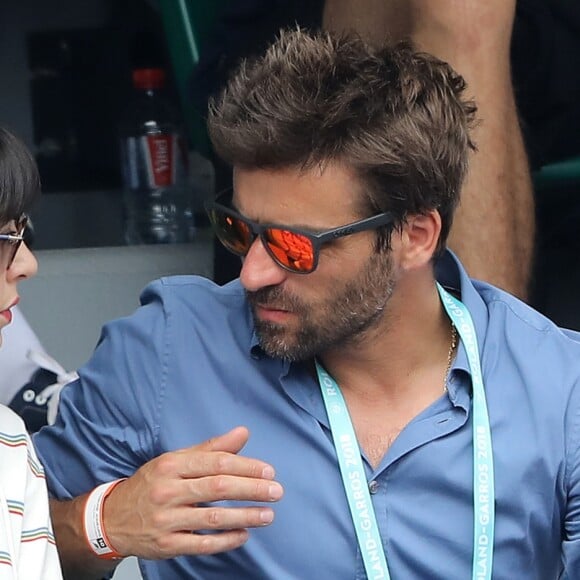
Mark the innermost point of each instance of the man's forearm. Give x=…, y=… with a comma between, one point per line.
x=77, y=559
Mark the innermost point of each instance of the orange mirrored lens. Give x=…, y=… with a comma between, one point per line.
x=233, y=233
x=292, y=250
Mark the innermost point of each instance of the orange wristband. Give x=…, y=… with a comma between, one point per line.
x=93, y=521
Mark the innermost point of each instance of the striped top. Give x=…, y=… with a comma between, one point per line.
x=27, y=547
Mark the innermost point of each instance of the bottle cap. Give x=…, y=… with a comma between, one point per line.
x=148, y=78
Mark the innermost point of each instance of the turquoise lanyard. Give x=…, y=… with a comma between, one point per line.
x=354, y=477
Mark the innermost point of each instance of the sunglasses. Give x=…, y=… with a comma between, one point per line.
x=10, y=243
x=293, y=249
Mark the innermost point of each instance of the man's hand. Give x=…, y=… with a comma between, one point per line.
x=155, y=513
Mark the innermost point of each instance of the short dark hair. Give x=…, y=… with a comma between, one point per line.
x=19, y=178
x=395, y=116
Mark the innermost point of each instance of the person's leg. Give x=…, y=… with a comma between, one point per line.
x=493, y=232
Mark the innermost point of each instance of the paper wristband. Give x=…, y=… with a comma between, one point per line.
x=93, y=521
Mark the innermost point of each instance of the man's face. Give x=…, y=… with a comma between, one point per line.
x=298, y=316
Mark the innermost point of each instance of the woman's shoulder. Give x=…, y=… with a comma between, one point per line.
x=11, y=425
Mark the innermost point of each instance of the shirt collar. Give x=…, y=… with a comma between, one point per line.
x=452, y=276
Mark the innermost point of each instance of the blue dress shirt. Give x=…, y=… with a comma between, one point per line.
x=186, y=366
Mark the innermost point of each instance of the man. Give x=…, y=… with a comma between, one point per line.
x=209, y=435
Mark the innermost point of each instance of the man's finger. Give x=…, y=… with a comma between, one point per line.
x=233, y=441
x=228, y=487
x=215, y=517
x=187, y=543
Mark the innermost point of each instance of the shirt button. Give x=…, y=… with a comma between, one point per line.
x=374, y=486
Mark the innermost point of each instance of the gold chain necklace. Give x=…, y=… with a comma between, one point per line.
x=452, y=347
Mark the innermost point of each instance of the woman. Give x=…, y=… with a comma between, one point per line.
x=27, y=547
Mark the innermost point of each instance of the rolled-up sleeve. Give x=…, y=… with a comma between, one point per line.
x=107, y=419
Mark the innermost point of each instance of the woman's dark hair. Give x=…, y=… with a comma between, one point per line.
x=19, y=178
x=397, y=117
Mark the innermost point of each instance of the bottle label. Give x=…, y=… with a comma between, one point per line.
x=161, y=154
x=153, y=161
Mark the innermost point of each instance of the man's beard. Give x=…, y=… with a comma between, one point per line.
x=340, y=319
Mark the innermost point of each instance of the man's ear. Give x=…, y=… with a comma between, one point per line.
x=419, y=239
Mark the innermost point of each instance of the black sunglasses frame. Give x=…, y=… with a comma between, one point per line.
x=317, y=240
x=15, y=240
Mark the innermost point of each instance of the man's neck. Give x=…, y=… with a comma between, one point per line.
x=395, y=359
x=396, y=370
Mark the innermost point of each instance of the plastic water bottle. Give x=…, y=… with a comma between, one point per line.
x=154, y=161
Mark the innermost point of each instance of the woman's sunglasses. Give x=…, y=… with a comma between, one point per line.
x=10, y=243
x=291, y=248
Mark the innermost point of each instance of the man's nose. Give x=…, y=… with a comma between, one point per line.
x=259, y=269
